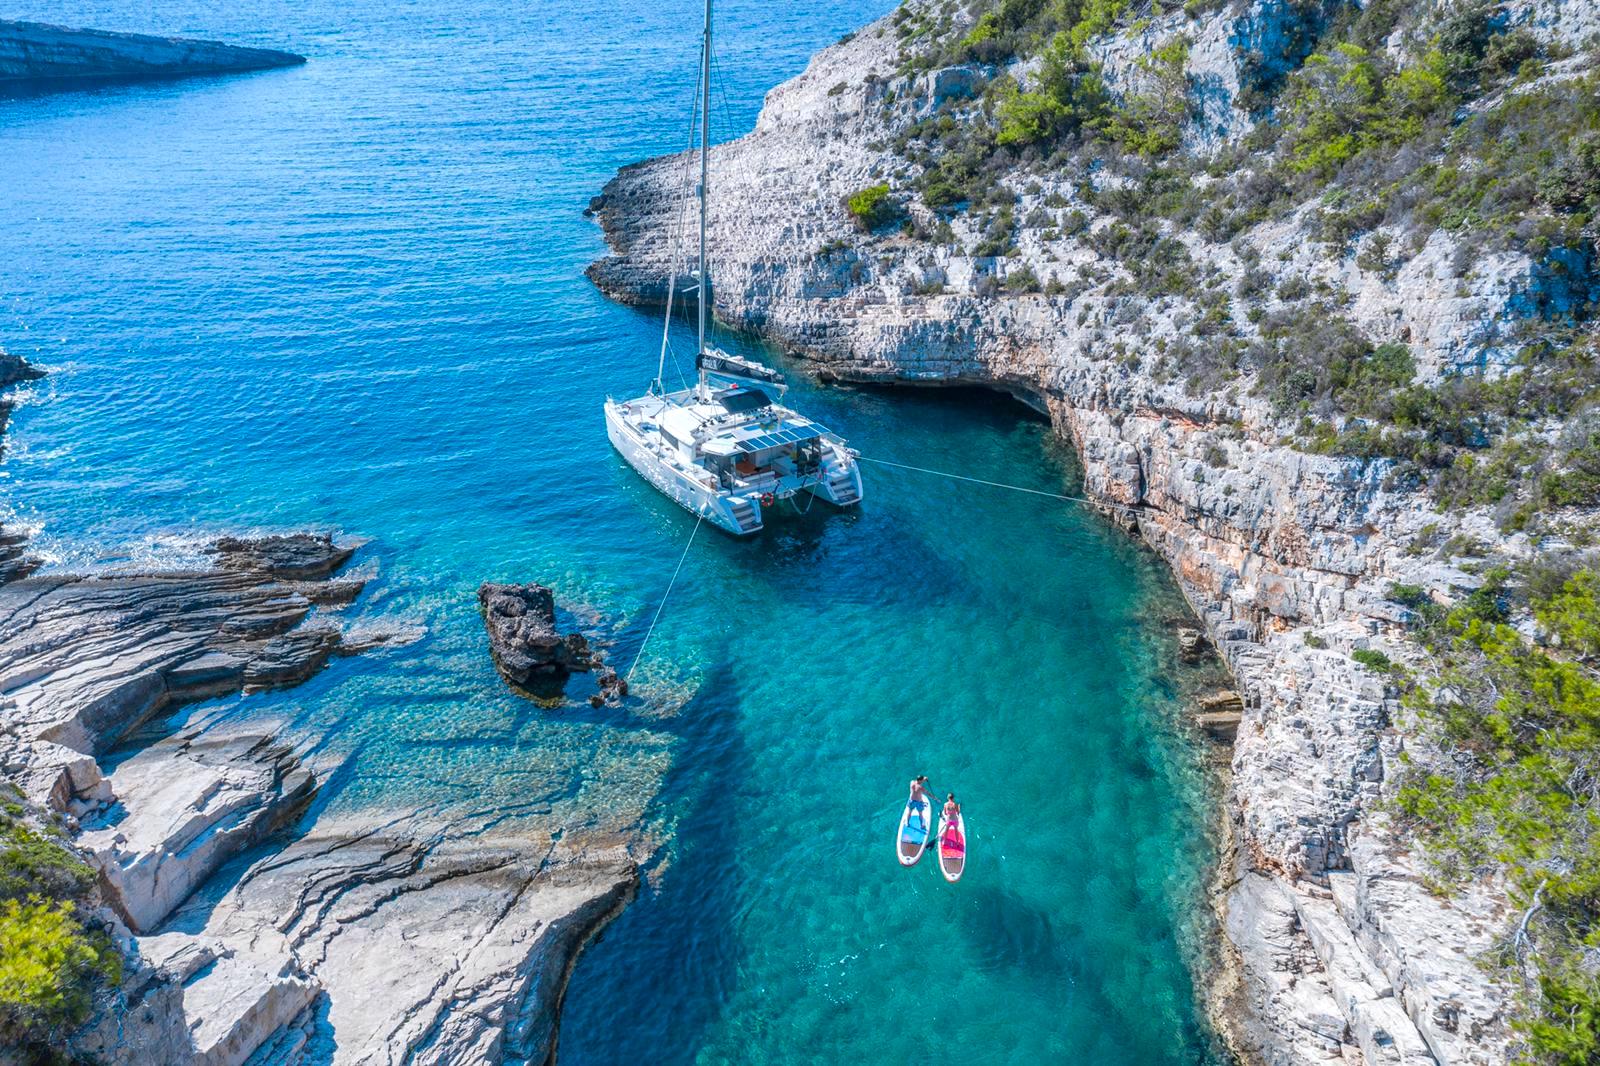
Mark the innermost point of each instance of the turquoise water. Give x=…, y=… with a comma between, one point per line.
x=349, y=296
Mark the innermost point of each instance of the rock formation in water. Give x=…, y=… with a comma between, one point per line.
x=32, y=51
x=14, y=559
x=527, y=649
x=404, y=935
x=533, y=657
x=1132, y=225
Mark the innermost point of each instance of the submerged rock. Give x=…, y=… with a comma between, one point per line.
x=1191, y=645
x=527, y=648
x=15, y=562
x=613, y=687
x=295, y=556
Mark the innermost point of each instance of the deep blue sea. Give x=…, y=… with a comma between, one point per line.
x=349, y=296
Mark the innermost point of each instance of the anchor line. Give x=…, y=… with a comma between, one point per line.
x=664, y=597
x=998, y=484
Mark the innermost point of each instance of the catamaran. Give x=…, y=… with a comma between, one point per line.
x=726, y=447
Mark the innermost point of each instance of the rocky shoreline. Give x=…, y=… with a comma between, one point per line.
x=251, y=929
x=36, y=52
x=1339, y=949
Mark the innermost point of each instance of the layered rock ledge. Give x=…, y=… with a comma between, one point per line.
x=394, y=935
x=84, y=660
x=31, y=51
x=386, y=936
x=434, y=942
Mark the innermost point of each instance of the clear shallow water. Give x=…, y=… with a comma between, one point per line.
x=349, y=296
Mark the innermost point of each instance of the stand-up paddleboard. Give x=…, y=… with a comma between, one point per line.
x=952, y=846
x=915, y=830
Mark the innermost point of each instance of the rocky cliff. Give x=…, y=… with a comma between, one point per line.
x=859, y=227
x=33, y=50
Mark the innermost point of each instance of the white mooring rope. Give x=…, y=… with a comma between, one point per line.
x=662, y=605
x=997, y=484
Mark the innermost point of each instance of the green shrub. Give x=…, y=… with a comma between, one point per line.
x=1150, y=123
x=1068, y=95
x=1520, y=728
x=985, y=31
x=1022, y=280
x=1573, y=614
x=49, y=965
x=1373, y=659
x=1347, y=100
x=872, y=207
x=1413, y=596
x=32, y=864
x=50, y=962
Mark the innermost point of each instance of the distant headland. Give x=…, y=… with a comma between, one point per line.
x=34, y=51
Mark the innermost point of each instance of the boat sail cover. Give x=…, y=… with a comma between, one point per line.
x=715, y=362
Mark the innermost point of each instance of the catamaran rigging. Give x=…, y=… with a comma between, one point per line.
x=726, y=446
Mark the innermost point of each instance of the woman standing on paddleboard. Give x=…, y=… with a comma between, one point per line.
x=952, y=840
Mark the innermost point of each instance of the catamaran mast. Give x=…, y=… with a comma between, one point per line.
x=705, y=122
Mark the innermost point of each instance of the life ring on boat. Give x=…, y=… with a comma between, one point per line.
x=767, y=499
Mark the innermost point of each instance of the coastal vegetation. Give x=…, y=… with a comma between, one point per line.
x=53, y=957
x=872, y=207
x=1515, y=795
x=1371, y=148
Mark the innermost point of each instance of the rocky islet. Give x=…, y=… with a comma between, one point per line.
x=529, y=651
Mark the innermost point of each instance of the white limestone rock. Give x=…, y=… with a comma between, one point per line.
x=187, y=805
x=433, y=944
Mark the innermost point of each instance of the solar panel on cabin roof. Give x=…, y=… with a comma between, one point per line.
x=785, y=435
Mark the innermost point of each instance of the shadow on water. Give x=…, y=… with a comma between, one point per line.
x=649, y=989
x=114, y=84
x=1011, y=934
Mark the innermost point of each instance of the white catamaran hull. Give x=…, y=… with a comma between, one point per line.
x=739, y=515
x=839, y=481
x=726, y=447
